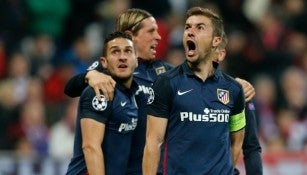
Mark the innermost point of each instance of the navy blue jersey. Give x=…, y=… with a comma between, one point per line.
x=145, y=74
x=198, y=112
x=120, y=118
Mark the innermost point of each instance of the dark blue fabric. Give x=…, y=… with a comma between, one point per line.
x=197, y=136
x=120, y=117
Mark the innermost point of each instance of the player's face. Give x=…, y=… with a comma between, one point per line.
x=121, y=58
x=147, y=39
x=198, y=39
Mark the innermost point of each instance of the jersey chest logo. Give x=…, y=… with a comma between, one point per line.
x=160, y=70
x=223, y=96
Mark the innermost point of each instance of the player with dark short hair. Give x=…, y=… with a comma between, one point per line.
x=104, y=129
x=195, y=124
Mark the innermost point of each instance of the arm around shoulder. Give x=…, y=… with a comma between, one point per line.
x=75, y=85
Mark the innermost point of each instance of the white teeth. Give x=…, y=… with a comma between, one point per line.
x=191, y=52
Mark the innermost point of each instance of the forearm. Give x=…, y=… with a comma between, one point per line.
x=75, y=85
x=236, y=145
x=94, y=161
x=253, y=163
x=151, y=159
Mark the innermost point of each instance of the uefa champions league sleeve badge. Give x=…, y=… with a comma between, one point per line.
x=99, y=105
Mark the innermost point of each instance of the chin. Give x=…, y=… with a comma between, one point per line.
x=191, y=59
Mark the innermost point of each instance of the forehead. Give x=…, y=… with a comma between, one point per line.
x=120, y=42
x=149, y=23
x=198, y=19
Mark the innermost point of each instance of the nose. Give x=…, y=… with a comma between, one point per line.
x=157, y=36
x=123, y=57
x=190, y=32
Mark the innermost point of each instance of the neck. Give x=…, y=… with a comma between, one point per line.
x=140, y=59
x=202, y=70
x=125, y=82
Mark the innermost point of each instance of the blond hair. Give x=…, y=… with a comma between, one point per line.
x=131, y=20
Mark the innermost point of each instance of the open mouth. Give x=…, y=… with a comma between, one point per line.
x=153, y=48
x=191, y=47
x=122, y=66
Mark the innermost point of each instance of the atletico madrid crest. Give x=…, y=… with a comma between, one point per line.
x=160, y=70
x=223, y=96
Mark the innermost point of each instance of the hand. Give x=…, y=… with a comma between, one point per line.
x=100, y=81
x=248, y=89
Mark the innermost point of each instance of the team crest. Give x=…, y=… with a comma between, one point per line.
x=223, y=96
x=99, y=105
x=160, y=70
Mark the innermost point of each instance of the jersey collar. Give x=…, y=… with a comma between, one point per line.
x=188, y=71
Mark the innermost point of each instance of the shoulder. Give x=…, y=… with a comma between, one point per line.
x=88, y=96
x=172, y=73
x=229, y=79
x=87, y=92
x=158, y=63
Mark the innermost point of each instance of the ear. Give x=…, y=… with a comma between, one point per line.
x=221, y=55
x=104, y=62
x=216, y=41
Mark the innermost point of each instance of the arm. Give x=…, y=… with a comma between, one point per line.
x=75, y=85
x=100, y=81
x=92, y=136
x=156, y=128
x=97, y=80
x=248, y=89
x=251, y=146
x=237, y=124
x=236, y=144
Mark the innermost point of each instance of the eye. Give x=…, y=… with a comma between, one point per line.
x=129, y=51
x=200, y=27
x=187, y=27
x=115, y=51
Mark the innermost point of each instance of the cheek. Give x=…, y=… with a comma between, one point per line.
x=146, y=37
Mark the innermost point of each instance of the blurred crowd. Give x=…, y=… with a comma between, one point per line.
x=43, y=43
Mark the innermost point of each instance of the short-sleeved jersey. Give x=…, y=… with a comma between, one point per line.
x=145, y=74
x=199, y=121
x=120, y=117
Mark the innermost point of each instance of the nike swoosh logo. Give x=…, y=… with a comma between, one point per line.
x=135, y=73
x=123, y=103
x=184, y=92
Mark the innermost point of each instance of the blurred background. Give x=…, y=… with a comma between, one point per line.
x=43, y=43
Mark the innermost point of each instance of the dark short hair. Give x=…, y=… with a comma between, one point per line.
x=112, y=36
x=217, y=22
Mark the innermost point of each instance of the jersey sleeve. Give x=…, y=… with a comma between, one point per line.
x=237, y=118
x=77, y=84
x=251, y=145
x=91, y=107
x=162, y=98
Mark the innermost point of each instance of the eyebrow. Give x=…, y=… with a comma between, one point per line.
x=198, y=24
x=116, y=47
